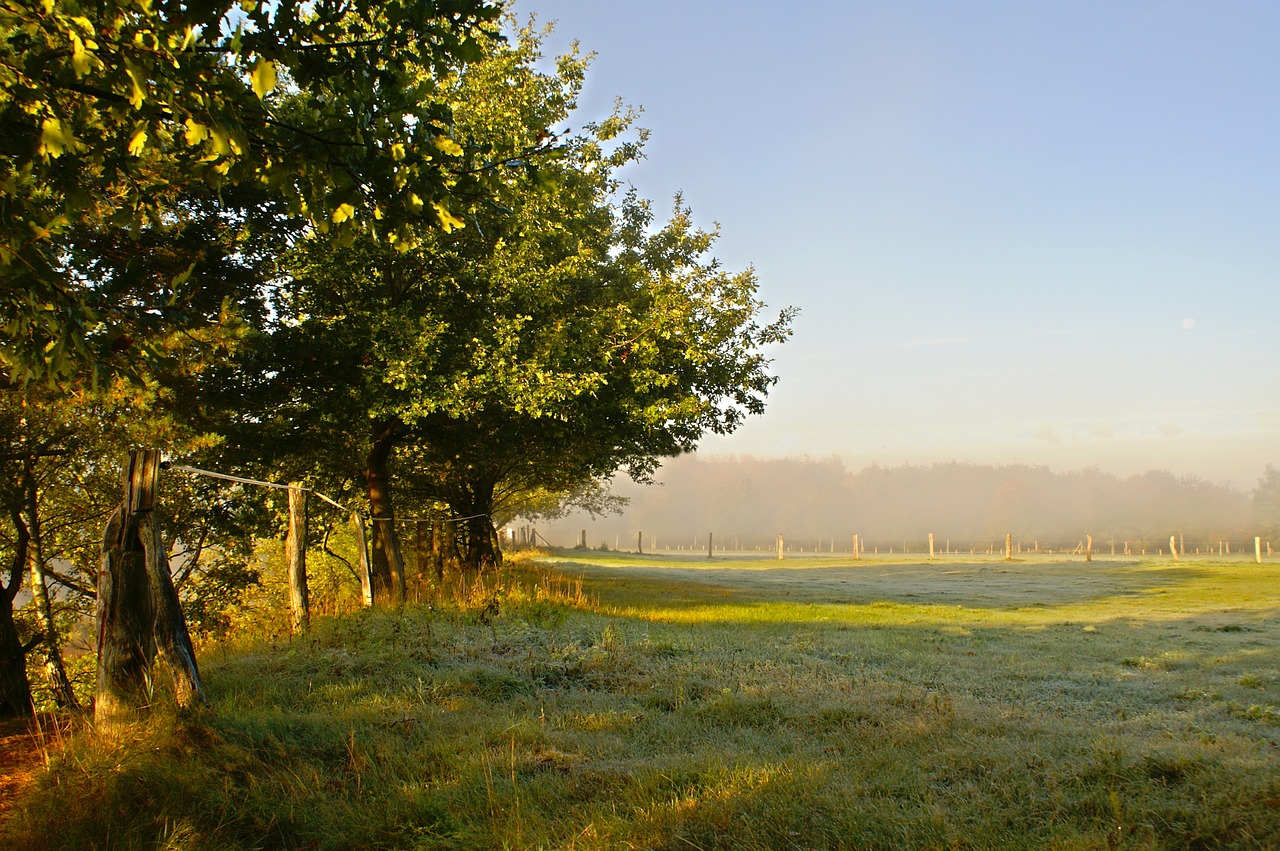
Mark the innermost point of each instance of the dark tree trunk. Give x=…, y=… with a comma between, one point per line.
x=138, y=611
x=126, y=617
x=481, y=548
x=387, y=564
x=15, y=688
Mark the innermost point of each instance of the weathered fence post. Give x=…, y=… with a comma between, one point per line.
x=1257, y=549
x=930, y=546
x=295, y=554
x=1008, y=546
x=362, y=559
x=640, y=543
x=711, y=553
x=780, y=555
x=1173, y=546
x=1088, y=548
x=857, y=551
x=138, y=612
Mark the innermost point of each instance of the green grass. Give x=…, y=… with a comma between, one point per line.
x=628, y=702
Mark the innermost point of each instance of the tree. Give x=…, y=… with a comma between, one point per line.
x=109, y=109
x=1266, y=503
x=561, y=314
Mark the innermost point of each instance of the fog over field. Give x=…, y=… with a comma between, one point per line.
x=815, y=501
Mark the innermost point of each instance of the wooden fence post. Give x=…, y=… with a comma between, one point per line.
x=711, y=553
x=780, y=555
x=640, y=543
x=1008, y=546
x=1173, y=546
x=362, y=559
x=857, y=551
x=1257, y=549
x=1088, y=548
x=138, y=613
x=295, y=554
x=930, y=546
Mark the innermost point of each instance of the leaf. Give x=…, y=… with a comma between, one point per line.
x=448, y=220
x=397, y=151
x=81, y=59
x=263, y=77
x=138, y=94
x=344, y=212
x=55, y=140
x=138, y=143
x=447, y=146
x=196, y=132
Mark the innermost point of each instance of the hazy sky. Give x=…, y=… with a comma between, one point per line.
x=1017, y=232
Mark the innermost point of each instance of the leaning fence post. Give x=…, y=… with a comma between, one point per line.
x=295, y=552
x=362, y=559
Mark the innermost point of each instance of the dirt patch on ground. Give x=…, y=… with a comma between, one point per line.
x=24, y=744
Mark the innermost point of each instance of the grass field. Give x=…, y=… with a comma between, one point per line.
x=597, y=701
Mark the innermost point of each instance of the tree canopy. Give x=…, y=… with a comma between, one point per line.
x=109, y=111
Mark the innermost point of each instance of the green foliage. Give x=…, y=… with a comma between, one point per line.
x=112, y=111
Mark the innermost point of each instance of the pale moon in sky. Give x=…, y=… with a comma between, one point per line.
x=1188, y=324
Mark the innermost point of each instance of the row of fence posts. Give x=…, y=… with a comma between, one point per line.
x=1176, y=547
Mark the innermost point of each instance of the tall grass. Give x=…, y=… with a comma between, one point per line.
x=652, y=703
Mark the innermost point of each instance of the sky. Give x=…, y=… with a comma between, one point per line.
x=1043, y=233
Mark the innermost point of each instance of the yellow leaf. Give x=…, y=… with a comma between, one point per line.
x=138, y=143
x=263, y=77
x=397, y=152
x=55, y=140
x=448, y=220
x=447, y=146
x=415, y=203
x=196, y=132
x=139, y=87
x=80, y=58
x=344, y=212
x=221, y=141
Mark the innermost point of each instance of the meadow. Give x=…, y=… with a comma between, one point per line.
x=586, y=700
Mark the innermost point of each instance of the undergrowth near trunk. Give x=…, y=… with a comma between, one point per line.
x=635, y=706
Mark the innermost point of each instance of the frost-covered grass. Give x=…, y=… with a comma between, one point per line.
x=611, y=701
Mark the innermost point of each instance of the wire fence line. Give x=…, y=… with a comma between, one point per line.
x=196, y=471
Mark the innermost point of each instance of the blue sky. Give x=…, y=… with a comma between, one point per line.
x=1017, y=232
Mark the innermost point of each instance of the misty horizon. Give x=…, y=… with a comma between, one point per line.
x=746, y=501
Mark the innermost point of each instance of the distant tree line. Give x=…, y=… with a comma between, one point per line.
x=753, y=499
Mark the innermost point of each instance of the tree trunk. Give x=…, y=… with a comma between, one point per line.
x=387, y=567
x=138, y=611
x=126, y=619
x=15, y=688
x=55, y=671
